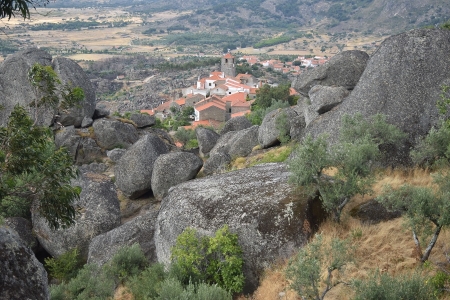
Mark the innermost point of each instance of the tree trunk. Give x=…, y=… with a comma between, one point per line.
x=431, y=244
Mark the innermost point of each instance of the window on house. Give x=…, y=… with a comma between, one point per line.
x=229, y=93
x=210, y=84
x=226, y=60
x=229, y=110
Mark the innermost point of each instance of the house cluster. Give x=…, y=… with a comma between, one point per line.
x=294, y=67
x=219, y=97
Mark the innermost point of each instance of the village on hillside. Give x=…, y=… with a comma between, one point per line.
x=225, y=94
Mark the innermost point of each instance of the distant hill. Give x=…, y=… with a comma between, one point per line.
x=371, y=16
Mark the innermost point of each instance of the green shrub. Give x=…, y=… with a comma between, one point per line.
x=282, y=125
x=386, y=287
x=65, y=267
x=147, y=285
x=212, y=260
x=172, y=289
x=440, y=282
x=90, y=283
x=127, y=262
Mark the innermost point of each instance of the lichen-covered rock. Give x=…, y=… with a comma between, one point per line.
x=88, y=151
x=68, y=138
x=22, y=276
x=257, y=203
x=216, y=163
x=400, y=82
x=16, y=88
x=115, y=154
x=173, y=168
x=87, y=122
x=243, y=142
x=133, y=172
x=206, y=138
x=343, y=69
x=142, y=120
x=323, y=99
x=236, y=124
x=100, y=112
x=111, y=133
x=100, y=213
x=71, y=73
x=24, y=230
x=268, y=132
x=139, y=230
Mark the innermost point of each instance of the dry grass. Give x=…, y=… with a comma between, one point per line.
x=122, y=293
x=387, y=246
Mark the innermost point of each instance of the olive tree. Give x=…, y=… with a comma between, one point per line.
x=427, y=210
x=352, y=159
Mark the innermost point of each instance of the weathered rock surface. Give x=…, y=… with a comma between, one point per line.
x=100, y=112
x=257, y=203
x=88, y=151
x=237, y=143
x=139, y=230
x=236, y=124
x=115, y=154
x=171, y=169
x=24, y=230
x=343, y=69
x=93, y=168
x=401, y=82
x=134, y=170
x=71, y=73
x=100, y=213
x=323, y=99
x=22, y=276
x=112, y=134
x=372, y=212
x=68, y=138
x=206, y=138
x=16, y=88
x=268, y=133
x=142, y=120
x=216, y=163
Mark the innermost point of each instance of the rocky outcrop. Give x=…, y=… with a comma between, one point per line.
x=401, y=82
x=111, y=133
x=237, y=143
x=171, y=169
x=139, y=230
x=343, y=69
x=100, y=112
x=67, y=137
x=206, y=138
x=269, y=131
x=142, y=120
x=72, y=74
x=216, y=163
x=16, y=88
x=323, y=99
x=236, y=124
x=22, y=276
x=99, y=213
x=373, y=212
x=24, y=230
x=134, y=170
x=257, y=203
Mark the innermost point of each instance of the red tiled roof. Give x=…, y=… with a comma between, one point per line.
x=228, y=55
x=181, y=101
x=151, y=112
x=240, y=114
x=217, y=104
x=209, y=122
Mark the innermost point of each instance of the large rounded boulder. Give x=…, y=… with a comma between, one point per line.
x=206, y=138
x=100, y=212
x=173, y=168
x=22, y=276
x=343, y=69
x=236, y=124
x=401, y=82
x=140, y=230
x=111, y=133
x=17, y=89
x=72, y=74
x=133, y=172
x=270, y=130
x=272, y=221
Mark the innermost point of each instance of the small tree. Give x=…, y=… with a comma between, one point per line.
x=353, y=159
x=306, y=267
x=427, y=210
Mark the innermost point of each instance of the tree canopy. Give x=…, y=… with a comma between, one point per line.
x=9, y=8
